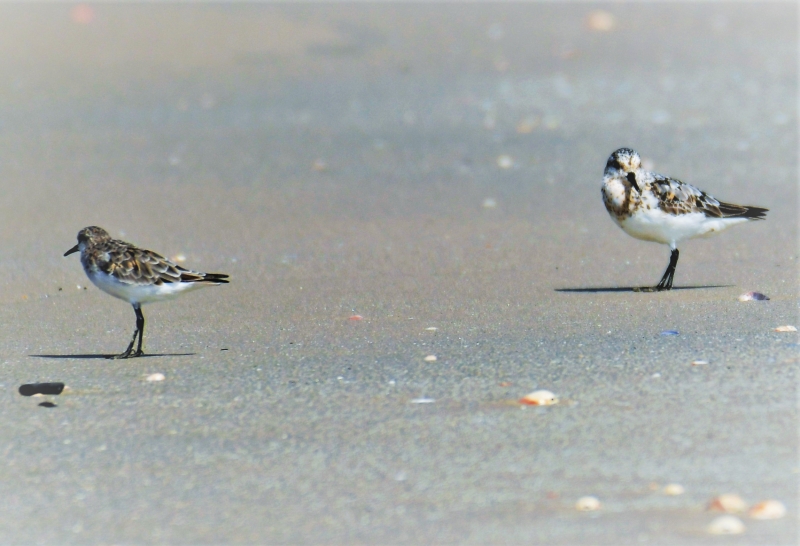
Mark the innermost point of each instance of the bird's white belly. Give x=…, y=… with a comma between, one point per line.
x=669, y=229
x=142, y=293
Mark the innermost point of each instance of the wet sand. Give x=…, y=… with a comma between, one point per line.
x=350, y=160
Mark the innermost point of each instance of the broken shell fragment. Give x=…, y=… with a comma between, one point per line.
x=729, y=502
x=587, y=504
x=699, y=362
x=726, y=525
x=674, y=489
x=753, y=296
x=787, y=328
x=430, y=358
x=539, y=398
x=356, y=317
x=768, y=509
x=155, y=377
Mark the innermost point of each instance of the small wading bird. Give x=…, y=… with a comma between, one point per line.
x=135, y=275
x=654, y=207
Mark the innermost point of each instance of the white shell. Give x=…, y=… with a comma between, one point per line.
x=729, y=502
x=156, y=377
x=787, y=328
x=587, y=504
x=674, y=489
x=726, y=525
x=430, y=358
x=539, y=398
x=768, y=509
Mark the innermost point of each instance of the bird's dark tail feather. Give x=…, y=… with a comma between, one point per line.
x=740, y=211
x=216, y=278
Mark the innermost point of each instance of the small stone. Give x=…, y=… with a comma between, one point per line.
x=787, y=328
x=726, y=525
x=769, y=509
x=430, y=358
x=587, y=504
x=155, y=377
x=539, y=398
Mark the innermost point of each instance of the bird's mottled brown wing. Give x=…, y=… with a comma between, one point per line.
x=137, y=266
x=676, y=197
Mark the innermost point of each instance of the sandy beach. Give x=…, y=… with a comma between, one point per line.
x=385, y=183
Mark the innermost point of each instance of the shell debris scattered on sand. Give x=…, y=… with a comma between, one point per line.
x=600, y=21
x=753, y=296
x=587, y=504
x=539, y=398
x=505, y=161
x=155, y=377
x=674, y=489
x=726, y=525
x=430, y=358
x=786, y=328
x=768, y=509
x=728, y=502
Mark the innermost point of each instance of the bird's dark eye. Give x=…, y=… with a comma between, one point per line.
x=632, y=178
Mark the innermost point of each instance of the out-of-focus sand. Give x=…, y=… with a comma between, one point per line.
x=337, y=160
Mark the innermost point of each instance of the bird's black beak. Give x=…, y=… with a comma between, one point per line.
x=72, y=250
x=632, y=180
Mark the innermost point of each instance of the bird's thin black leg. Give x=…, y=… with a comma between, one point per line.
x=140, y=325
x=666, y=281
x=138, y=332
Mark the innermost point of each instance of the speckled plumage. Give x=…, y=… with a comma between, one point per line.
x=654, y=207
x=134, y=274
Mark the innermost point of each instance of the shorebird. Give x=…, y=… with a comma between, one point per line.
x=135, y=275
x=654, y=207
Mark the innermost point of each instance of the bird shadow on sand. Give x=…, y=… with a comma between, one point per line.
x=110, y=357
x=646, y=289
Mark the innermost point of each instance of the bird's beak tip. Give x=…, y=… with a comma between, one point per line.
x=71, y=250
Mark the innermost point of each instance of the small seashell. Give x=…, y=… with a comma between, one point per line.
x=729, y=502
x=699, y=362
x=356, y=317
x=726, y=525
x=430, y=358
x=600, y=20
x=422, y=401
x=753, y=296
x=539, y=398
x=527, y=125
x=768, y=509
x=155, y=377
x=431, y=328
x=674, y=489
x=505, y=161
x=787, y=328
x=587, y=504
x=670, y=333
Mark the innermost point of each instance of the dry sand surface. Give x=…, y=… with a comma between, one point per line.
x=421, y=166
